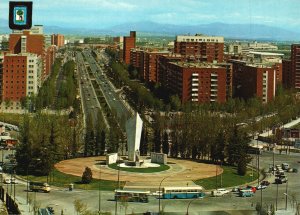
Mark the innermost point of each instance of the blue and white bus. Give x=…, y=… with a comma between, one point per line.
x=182, y=192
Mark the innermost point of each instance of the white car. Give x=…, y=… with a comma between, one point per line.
x=7, y=181
x=157, y=194
x=261, y=187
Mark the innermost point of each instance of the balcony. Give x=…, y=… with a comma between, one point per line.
x=213, y=85
x=195, y=90
x=195, y=95
x=213, y=90
x=195, y=84
x=195, y=100
x=195, y=75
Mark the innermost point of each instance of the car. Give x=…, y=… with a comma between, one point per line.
x=266, y=183
x=6, y=181
x=261, y=187
x=251, y=188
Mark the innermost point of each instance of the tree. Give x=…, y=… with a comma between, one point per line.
x=242, y=166
x=102, y=142
x=157, y=140
x=87, y=176
x=165, y=143
x=23, y=151
x=79, y=206
x=175, y=102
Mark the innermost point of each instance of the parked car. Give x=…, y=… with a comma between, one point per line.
x=261, y=187
x=251, y=188
x=266, y=183
x=246, y=193
x=285, y=166
x=219, y=192
x=280, y=180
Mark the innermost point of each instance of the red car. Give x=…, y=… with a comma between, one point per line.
x=252, y=188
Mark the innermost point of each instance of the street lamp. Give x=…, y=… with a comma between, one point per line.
x=159, y=193
x=27, y=189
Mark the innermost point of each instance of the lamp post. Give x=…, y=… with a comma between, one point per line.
x=159, y=193
x=27, y=189
x=286, y=195
x=187, y=209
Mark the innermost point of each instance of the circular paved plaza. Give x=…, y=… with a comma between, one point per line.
x=181, y=172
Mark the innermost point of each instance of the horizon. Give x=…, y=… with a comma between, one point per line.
x=173, y=12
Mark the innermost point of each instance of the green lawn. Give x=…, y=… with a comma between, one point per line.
x=230, y=178
x=60, y=179
x=161, y=168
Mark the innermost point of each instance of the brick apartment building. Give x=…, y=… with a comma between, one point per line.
x=250, y=80
x=197, y=82
x=58, y=40
x=21, y=76
x=295, y=61
x=34, y=41
x=200, y=48
x=287, y=74
x=150, y=62
x=128, y=44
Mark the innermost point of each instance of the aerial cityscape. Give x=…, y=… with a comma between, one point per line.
x=149, y=107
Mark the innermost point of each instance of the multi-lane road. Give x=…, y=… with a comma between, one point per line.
x=111, y=95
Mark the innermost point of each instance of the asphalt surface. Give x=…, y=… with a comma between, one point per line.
x=111, y=95
x=62, y=198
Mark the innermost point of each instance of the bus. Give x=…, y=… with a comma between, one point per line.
x=182, y=192
x=132, y=195
x=39, y=186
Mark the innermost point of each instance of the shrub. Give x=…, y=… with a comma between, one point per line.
x=87, y=176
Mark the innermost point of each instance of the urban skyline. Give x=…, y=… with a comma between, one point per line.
x=102, y=13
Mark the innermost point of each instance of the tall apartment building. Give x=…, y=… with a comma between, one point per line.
x=34, y=41
x=200, y=48
x=58, y=40
x=295, y=64
x=250, y=80
x=128, y=44
x=21, y=76
x=197, y=82
x=287, y=74
x=150, y=65
x=1, y=73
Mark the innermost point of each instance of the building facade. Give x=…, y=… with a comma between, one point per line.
x=128, y=44
x=252, y=80
x=295, y=64
x=58, y=40
x=197, y=82
x=21, y=76
x=200, y=48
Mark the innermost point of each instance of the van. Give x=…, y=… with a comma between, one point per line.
x=39, y=186
x=246, y=193
x=285, y=166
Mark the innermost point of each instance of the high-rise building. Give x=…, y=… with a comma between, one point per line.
x=58, y=40
x=253, y=80
x=197, y=82
x=295, y=64
x=200, y=48
x=128, y=44
x=287, y=74
x=21, y=76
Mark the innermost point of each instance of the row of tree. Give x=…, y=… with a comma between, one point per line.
x=44, y=140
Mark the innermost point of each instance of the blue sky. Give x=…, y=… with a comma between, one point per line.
x=106, y=13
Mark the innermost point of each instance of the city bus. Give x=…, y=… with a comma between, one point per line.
x=182, y=192
x=132, y=195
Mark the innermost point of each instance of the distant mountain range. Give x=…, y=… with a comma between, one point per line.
x=238, y=31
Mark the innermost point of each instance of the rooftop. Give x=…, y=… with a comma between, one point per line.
x=195, y=65
x=266, y=53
